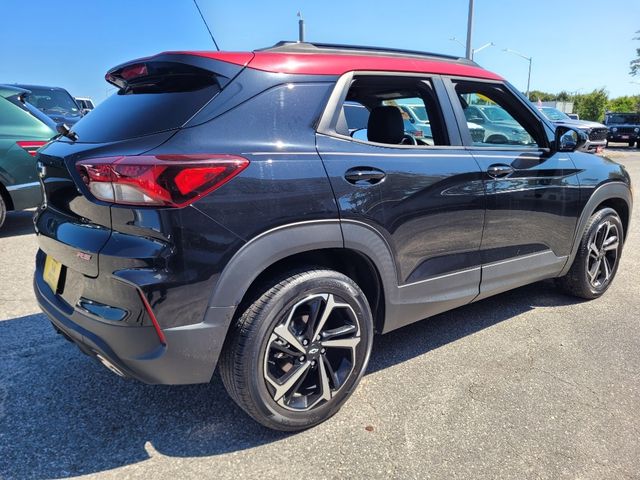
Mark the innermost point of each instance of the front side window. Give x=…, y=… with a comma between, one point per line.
x=494, y=117
x=394, y=111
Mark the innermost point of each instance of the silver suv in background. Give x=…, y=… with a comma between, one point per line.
x=85, y=104
x=499, y=126
x=596, y=132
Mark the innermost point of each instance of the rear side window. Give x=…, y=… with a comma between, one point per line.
x=163, y=96
x=392, y=110
x=356, y=115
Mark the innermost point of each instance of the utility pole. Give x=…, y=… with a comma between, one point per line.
x=300, y=27
x=469, y=51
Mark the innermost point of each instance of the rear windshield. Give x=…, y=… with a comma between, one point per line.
x=164, y=99
x=52, y=100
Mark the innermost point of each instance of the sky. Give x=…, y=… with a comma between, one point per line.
x=576, y=45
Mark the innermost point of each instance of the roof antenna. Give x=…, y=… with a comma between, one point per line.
x=300, y=28
x=206, y=25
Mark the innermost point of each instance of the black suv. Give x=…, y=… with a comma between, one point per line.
x=623, y=127
x=216, y=211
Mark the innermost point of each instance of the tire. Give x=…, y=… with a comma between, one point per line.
x=270, y=345
x=3, y=210
x=600, y=231
x=638, y=144
x=631, y=144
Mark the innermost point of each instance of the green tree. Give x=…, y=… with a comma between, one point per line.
x=635, y=64
x=591, y=106
x=628, y=103
x=536, y=95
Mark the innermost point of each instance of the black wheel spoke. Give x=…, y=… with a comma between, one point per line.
x=337, y=332
x=317, y=306
x=330, y=371
x=285, y=349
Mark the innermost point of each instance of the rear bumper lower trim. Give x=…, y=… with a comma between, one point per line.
x=189, y=357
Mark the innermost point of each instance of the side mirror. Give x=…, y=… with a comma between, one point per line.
x=84, y=111
x=568, y=139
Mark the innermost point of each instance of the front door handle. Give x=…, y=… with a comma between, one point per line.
x=364, y=175
x=499, y=170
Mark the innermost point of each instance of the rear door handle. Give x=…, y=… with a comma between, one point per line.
x=499, y=170
x=364, y=175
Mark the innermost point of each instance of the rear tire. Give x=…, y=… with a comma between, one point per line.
x=298, y=349
x=3, y=210
x=598, y=257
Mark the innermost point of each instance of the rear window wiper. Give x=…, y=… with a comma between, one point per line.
x=65, y=131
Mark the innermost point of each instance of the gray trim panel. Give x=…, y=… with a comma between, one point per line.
x=602, y=193
x=266, y=249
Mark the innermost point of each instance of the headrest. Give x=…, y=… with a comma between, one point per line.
x=385, y=125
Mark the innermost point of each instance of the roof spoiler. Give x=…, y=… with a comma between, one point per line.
x=224, y=65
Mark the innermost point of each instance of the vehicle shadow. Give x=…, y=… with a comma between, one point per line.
x=63, y=415
x=17, y=223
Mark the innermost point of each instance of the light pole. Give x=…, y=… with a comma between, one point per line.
x=530, y=59
x=469, y=50
x=300, y=27
x=476, y=50
x=473, y=50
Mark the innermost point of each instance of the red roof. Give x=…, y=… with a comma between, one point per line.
x=337, y=64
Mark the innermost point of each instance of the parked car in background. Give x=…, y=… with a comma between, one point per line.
x=23, y=129
x=85, y=104
x=220, y=216
x=55, y=102
x=623, y=127
x=499, y=126
x=596, y=132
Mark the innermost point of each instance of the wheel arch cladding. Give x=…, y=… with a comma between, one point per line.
x=616, y=195
x=316, y=244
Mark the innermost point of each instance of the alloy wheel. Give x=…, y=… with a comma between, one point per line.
x=603, y=254
x=311, y=352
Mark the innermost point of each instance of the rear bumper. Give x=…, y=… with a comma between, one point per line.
x=189, y=356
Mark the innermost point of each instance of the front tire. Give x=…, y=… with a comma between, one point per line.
x=299, y=349
x=596, y=262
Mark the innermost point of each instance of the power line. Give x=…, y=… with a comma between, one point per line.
x=206, y=25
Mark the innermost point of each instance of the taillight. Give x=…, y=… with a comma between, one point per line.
x=31, y=146
x=164, y=180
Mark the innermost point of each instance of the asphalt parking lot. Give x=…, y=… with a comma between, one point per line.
x=528, y=384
